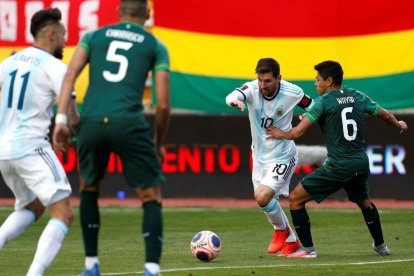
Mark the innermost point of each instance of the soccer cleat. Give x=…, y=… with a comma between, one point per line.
x=148, y=273
x=289, y=248
x=382, y=249
x=278, y=240
x=301, y=253
x=94, y=271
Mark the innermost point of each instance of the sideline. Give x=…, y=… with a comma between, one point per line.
x=234, y=203
x=264, y=266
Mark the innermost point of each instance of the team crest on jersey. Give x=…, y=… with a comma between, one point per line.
x=279, y=111
x=244, y=87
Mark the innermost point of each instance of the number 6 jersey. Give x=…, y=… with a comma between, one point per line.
x=30, y=82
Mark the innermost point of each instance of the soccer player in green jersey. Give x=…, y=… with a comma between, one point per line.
x=340, y=113
x=120, y=57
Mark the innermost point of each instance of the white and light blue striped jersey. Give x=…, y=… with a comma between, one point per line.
x=264, y=112
x=30, y=82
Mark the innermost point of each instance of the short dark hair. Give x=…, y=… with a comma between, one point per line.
x=44, y=18
x=134, y=8
x=266, y=65
x=331, y=69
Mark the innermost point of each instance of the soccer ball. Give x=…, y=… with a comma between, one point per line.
x=206, y=245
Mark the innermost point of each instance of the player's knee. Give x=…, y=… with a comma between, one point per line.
x=36, y=207
x=262, y=199
x=149, y=194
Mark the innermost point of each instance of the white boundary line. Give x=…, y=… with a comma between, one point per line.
x=264, y=266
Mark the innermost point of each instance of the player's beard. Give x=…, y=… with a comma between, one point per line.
x=267, y=94
x=58, y=53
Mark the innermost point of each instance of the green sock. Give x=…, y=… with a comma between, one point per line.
x=302, y=224
x=90, y=221
x=152, y=231
x=373, y=222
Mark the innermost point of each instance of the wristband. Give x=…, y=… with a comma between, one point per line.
x=61, y=119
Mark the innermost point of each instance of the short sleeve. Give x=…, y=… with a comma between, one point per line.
x=86, y=41
x=371, y=107
x=162, y=61
x=316, y=111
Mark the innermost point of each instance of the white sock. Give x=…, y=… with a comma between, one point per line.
x=15, y=224
x=274, y=212
x=154, y=268
x=91, y=261
x=48, y=246
x=291, y=237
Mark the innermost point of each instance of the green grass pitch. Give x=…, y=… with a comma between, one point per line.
x=340, y=236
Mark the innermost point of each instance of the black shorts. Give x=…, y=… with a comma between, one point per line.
x=130, y=139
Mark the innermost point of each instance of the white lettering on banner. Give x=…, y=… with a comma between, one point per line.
x=30, y=9
x=63, y=6
x=8, y=20
x=88, y=18
x=384, y=163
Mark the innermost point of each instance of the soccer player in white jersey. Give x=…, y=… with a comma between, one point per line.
x=30, y=81
x=270, y=101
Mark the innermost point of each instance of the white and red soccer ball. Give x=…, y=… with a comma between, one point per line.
x=206, y=245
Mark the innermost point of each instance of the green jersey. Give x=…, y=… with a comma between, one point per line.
x=120, y=57
x=341, y=114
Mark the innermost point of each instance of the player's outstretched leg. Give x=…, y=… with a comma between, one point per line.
x=52, y=237
x=276, y=217
x=15, y=224
x=373, y=223
x=301, y=221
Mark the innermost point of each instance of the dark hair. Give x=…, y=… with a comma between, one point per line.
x=331, y=69
x=134, y=8
x=266, y=65
x=44, y=18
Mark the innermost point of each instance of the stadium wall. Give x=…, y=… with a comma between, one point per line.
x=209, y=156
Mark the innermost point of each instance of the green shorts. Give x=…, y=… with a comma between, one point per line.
x=324, y=181
x=130, y=139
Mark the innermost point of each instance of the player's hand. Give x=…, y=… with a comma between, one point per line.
x=62, y=138
x=238, y=104
x=161, y=154
x=274, y=133
x=403, y=126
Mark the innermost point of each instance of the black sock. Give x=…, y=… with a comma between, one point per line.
x=302, y=225
x=90, y=221
x=373, y=222
x=152, y=230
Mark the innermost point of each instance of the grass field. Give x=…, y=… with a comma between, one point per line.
x=340, y=236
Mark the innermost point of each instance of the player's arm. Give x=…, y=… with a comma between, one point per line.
x=388, y=117
x=235, y=99
x=162, y=118
x=293, y=133
x=62, y=133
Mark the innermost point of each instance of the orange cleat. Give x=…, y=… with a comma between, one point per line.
x=289, y=248
x=278, y=240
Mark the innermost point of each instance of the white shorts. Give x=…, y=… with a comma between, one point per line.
x=36, y=175
x=276, y=176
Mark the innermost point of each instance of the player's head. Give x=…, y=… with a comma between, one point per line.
x=46, y=28
x=268, y=75
x=134, y=9
x=329, y=76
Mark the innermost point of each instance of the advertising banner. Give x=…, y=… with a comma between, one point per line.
x=209, y=157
